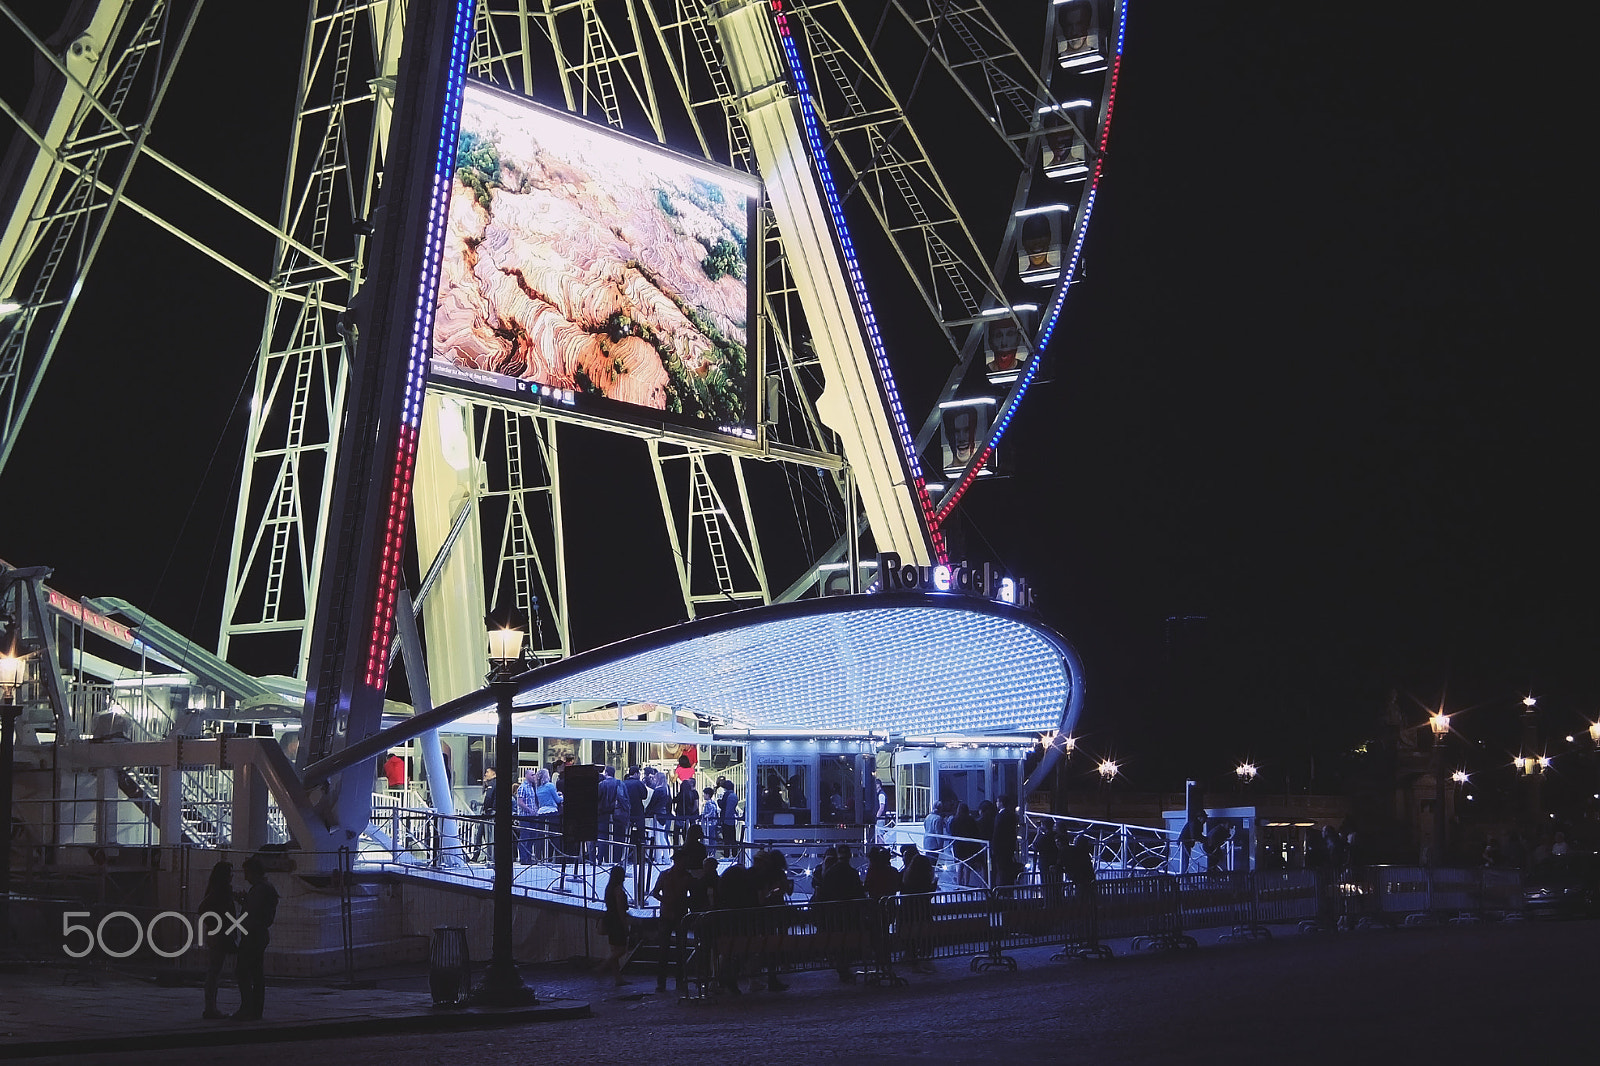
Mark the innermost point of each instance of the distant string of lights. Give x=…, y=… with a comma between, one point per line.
x=391, y=573
x=902, y=428
x=1047, y=327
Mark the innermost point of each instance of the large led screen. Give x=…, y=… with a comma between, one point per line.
x=592, y=270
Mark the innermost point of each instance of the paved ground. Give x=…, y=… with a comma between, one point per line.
x=1468, y=994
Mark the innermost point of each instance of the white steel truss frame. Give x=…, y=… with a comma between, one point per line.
x=709, y=530
x=297, y=403
x=82, y=162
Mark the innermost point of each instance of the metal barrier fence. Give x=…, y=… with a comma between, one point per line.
x=1417, y=894
x=1212, y=900
x=850, y=937
x=1286, y=895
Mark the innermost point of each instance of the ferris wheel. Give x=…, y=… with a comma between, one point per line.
x=819, y=418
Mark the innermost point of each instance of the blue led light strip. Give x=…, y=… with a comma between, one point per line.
x=405, y=459
x=836, y=209
x=1047, y=328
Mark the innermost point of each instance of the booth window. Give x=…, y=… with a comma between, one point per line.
x=916, y=791
x=783, y=795
x=838, y=790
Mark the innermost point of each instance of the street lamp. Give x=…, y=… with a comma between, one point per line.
x=502, y=984
x=13, y=671
x=1439, y=723
x=1065, y=745
x=1107, y=769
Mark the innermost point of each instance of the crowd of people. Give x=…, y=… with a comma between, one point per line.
x=982, y=845
x=697, y=882
x=641, y=817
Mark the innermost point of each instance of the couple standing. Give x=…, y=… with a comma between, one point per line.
x=219, y=915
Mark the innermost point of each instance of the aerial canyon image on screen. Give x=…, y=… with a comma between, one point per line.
x=584, y=261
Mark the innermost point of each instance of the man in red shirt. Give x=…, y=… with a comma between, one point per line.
x=394, y=770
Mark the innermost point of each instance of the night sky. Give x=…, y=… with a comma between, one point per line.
x=1321, y=385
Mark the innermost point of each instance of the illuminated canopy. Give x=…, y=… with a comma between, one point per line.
x=898, y=662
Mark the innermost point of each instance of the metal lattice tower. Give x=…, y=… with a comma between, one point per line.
x=347, y=65
x=70, y=182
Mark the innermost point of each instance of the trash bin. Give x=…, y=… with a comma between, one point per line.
x=449, y=967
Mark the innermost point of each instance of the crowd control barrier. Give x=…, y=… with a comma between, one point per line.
x=1417, y=895
x=869, y=939
x=849, y=936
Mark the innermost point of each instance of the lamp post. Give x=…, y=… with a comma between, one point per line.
x=1066, y=745
x=502, y=984
x=1439, y=723
x=1107, y=769
x=13, y=671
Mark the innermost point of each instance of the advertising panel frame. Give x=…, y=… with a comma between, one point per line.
x=533, y=397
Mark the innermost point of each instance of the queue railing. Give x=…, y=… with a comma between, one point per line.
x=850, y=937
x=1417, y=895
x=1222, y=898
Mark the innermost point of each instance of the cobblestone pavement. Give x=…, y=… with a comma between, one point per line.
x=1503, y=994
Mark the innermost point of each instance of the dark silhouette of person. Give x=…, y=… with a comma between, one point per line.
x=838, y=887
x=1217, y=836
x=633, y=796
x=672, y=889
x=730, y=820
x=1047, y=852
x=1003, y=842
x=617, y=922
x=260, y=908
x=612, y=829
x=964, y=843
x=216, y=907
x=918, y=883
x=1077, y=862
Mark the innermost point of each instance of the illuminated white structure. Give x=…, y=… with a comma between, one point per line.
x=790, y=93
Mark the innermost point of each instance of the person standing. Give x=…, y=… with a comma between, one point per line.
x=710, y=817
x=486, y=808
x=547, y=815
x=882, y=879
x=216, y=908
x=672, y=889
x=918, y=883
x=616, y=922
x=964, y=844
x=880, y=812
x=685, y=811
x=730, y=820
x=933, y=830
x=525, y=805
x=1047, y=852
x=394, y=772
x=260, y=908
x=1003, y=842
x=840, y=885
x=634, y=797
x=607, y=821
x=658, y=808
